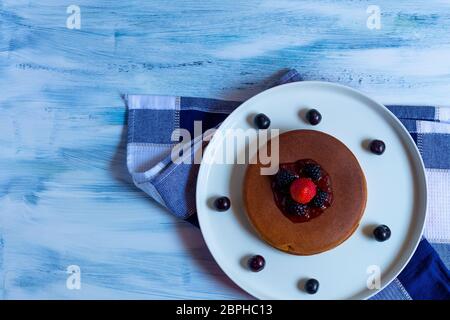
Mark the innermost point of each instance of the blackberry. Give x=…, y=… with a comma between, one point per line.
x=320, y=198
x=313, y=171
x=284, y=178
x=295, y=208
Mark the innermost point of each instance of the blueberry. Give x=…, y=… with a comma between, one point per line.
x=313, y=116
x=222, y=203
x=262, y=121
x=256, y=263
x=377, y=147
x=382, y=233
x=312, y=286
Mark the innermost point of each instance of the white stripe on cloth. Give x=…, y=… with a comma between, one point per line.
x=149, y=189
x=432, y=127
x=143, y=161
x=152, y=102
x=143, y=157
x=443, y=114
x=437, y=225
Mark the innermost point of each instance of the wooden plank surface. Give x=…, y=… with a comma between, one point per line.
x=65, y=195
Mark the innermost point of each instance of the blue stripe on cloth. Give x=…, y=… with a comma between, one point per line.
x=409, y=124
x=414, y=136
x=209, y=120
x=151, y=126
x=393, y=291
x=443, y=250
x=426, y=277
x=181, y=202
x=435, y=150
x=208, y=105
x=290, y=76
x=413, y=112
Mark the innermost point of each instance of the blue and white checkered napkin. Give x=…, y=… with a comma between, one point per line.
x=153, y=119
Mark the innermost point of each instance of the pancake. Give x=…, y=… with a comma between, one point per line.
x=336, y=223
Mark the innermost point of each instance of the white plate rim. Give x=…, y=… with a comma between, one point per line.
x=203, y=172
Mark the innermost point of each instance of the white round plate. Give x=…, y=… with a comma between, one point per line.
x=396, y=197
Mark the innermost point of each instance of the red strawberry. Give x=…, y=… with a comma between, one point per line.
x=303, y=190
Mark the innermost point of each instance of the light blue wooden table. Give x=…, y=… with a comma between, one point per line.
x=65, y=195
